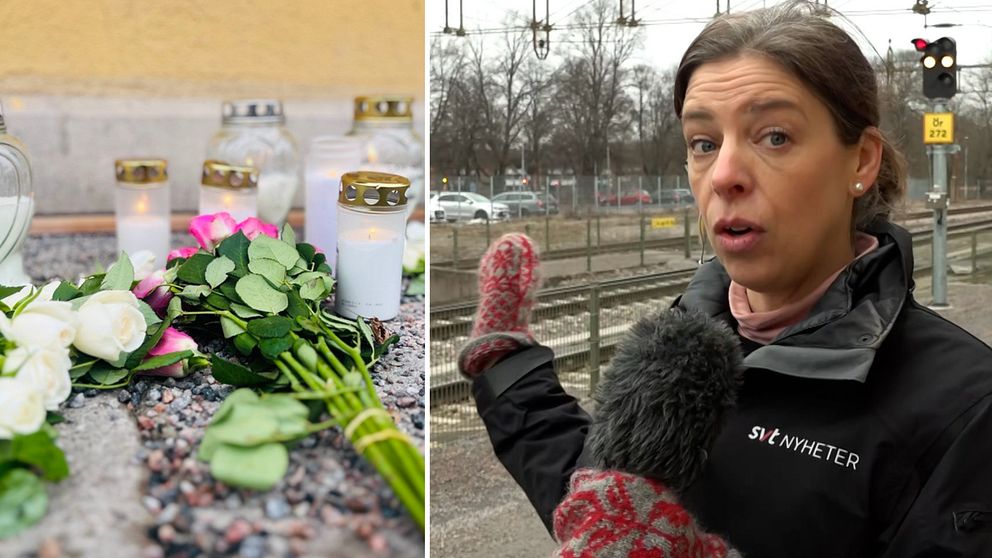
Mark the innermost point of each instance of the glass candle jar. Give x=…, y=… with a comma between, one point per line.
x=16, y=206
x=384, y=124
x=253, y=133
x=329, y=158
x=371, y=233
x=229, y=188
x=142, y=207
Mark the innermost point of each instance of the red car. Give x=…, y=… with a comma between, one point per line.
x=629, y=198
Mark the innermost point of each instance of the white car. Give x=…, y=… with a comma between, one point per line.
x=435, y=212
x=460, y=206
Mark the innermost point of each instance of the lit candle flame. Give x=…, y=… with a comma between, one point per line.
x=228, y=201
x=372, y=155
x=372, y=234
x=142, y=206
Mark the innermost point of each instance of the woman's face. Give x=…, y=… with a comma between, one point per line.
x=772, y=179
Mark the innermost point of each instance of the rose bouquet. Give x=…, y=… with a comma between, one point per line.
x=96, y=335
x=262, y=292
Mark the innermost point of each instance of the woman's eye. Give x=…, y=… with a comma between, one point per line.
x=776, y=139
x=701, y=146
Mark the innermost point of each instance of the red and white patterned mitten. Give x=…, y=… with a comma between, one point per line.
x=508, y=282
x=610, y=514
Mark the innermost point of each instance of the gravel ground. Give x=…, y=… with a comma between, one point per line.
x=331, y=502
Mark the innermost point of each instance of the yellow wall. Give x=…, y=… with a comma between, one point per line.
x=212, y=47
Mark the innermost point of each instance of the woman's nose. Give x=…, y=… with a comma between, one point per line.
x=731, y=174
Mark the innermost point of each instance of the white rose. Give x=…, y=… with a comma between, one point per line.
x=110, y=324
x=41, y=324
x=22, y=408
x=143, y=262
x=46, y=293
x=46, y=369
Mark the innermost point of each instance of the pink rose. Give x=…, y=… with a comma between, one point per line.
x=209, y=230
x=184, y=252
x=172, y=341
x=253, y=227
x=154, y=291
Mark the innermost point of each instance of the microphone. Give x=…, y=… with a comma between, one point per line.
x=664, y=397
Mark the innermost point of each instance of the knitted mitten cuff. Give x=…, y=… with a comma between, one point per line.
x=614, y=514
x=481, y=353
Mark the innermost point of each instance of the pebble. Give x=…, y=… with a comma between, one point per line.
x=169, y=514
x=152, y=504
x=167, y=396
x=237, y=531
x=77, y=401
x=153, y=394
x=49, y=548
x=145, y=423
x=406, y=402
x=153, y=551
x=276, y=508
x=181, y=402
x=166, y=533
x=123, y=396
x=253, y=546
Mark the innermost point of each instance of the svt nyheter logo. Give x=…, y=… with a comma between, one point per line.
x=818, y=450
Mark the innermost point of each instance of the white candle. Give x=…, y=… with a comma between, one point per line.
x=144, y=232
x=329, y=158
x=240, y=204
x=369, y=273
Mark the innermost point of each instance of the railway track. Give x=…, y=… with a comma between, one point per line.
x=671, y=242
x=562, y=316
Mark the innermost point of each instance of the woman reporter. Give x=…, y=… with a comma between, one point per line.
x=863, y=424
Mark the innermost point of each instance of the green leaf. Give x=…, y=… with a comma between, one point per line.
x=270, y=327
x=108, y=376
x=66, y=291
x=218, y=301
x=120, y=275
x=230, y=327
x=266, y=247
x=246, y=426
x=235, y=248
x=238, y=396
x=194, y=269
x=91, y=284
x=38, y=450
x=272, y=348
x=288, y=234
x=22, y=501
x=229, y=291
x=234, y=374
x=208, y=446
x=270, y=269
x=151, y=318
x=174, y=309
x=367, y=335
x=416, y=286
x=80, y=370
x=306, y=251
x=159, y=361
x=194, y=292
x=258, y=468
x=381, y=349
x=297, y=308
x=7, y=291
x=256, y=292
x=245, y=343
x=217, y=271
x=242, y=311
x=54, y=418
x=314, y=285
x=135, y=358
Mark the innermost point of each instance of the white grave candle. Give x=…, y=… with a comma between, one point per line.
x=329, y=158
x=142, y=206
x=229, y=188
x=370, y=243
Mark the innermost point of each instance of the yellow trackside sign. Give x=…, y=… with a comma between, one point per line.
x=938, y=127
x=662, y=222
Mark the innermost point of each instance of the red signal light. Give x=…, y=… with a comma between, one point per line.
x=920, y=44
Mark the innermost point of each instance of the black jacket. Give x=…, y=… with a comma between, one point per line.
x=864, y=430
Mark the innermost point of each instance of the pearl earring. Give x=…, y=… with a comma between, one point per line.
x=859, y=188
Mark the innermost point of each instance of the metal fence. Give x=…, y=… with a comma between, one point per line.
x=583, y=324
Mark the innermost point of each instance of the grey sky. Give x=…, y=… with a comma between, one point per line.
x=665, y=38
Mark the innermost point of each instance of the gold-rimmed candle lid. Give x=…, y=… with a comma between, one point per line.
x=373, y=191
x=384, y=107
x=141, y=171
x=223, y=175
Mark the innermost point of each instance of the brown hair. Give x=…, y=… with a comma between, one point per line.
x=827, y=61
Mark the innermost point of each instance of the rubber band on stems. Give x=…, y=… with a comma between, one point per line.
x=365, y=441
x=361, y=417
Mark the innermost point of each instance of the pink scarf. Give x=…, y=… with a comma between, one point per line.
x=763, y=327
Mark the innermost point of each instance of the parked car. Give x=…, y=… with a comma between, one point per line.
x=435, y=212
x=469, y=205
x=677, y=197
x=629, y=198
x=522, y=204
